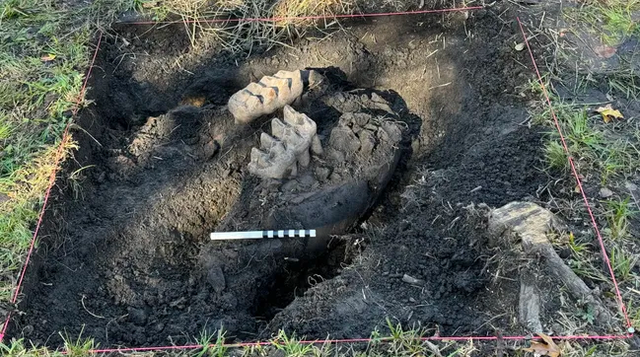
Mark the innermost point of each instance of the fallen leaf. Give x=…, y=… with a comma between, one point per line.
x=608, y=113
x=195, y=101
x=519, y=46
x=48, y=58
x=546, y=348
x=604, y=51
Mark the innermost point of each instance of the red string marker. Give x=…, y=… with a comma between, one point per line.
x=52, y=180
x=605, y=256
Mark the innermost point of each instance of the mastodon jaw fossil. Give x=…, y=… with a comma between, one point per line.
x=280, y=154
x=268, y=95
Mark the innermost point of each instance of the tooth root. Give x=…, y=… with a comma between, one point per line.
x=316, y=145
x=278, y=128
x=294, y=170
x=304, y=158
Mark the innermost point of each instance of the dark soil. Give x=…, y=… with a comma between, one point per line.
x=125, y=258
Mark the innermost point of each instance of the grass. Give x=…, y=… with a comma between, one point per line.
x=618, y=213
x=596, y=147
x=614, y=20
x=606, y=156
x=399, y=342
x=43, y=55
x=73, y=347
x=211, y=348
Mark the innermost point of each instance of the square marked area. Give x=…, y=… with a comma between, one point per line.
x=124, y=255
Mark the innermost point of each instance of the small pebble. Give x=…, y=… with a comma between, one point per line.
x=605, y=192
x=410, y=280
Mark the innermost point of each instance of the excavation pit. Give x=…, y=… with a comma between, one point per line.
x=124, y=255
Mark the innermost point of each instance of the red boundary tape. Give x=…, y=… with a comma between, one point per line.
x=354, y=340
x=52, y=180
x=605, y=256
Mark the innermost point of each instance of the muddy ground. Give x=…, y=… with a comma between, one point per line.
x=125, y=258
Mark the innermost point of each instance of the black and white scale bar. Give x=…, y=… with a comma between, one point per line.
x=287, y=233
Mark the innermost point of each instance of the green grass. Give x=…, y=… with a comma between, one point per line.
x=618, y=213
x=596, y=147
x=555, y=156
x=613, y=20
x=36, y=98
x=77, y=347
x=605, y=155
x=399, y=342
x=211, y=347
x=623, y=262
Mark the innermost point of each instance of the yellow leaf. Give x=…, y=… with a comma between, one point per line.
x=608, y=113
x=48, y=58
x=546, y=348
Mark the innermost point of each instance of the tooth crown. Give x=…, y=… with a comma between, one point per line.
x=279, y=155
x=265, y=97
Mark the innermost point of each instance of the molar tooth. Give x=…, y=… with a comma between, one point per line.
x=267, y=141
x=287, y=148
x=260, y=158
x=278, y=128
x=266, y=96
x=302, y=123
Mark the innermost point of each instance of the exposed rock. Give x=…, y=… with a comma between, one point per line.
x=411, y=280
x=605, y=192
